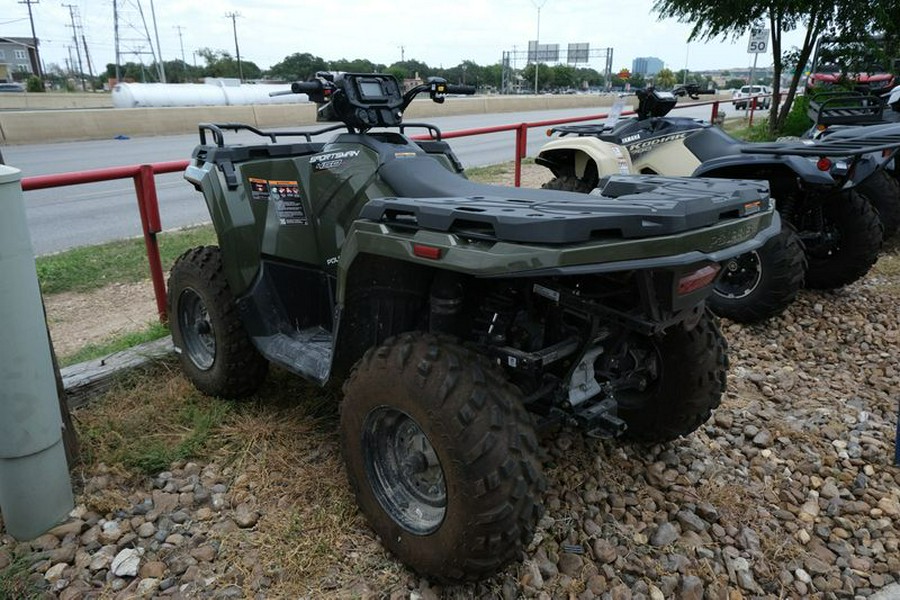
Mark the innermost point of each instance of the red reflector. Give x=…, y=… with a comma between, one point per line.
x=886, y=153
x=549, y=132
x=426, y=251
x=824, y=164
x=698, y=279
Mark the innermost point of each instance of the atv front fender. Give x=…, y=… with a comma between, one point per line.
x=751, y=166
x=575, y=155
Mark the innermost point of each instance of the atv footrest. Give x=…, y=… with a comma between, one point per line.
x=307, y=351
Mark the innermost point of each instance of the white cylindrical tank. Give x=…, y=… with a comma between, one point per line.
x=214, y=92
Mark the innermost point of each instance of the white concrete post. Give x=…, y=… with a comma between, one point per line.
x=35, y=489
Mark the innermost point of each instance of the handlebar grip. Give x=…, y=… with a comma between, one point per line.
x=460, y=89
x=281, y=93
x=305, y=87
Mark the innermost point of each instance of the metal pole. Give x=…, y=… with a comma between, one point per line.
x=237, y=49
x=35, y=490
x=537, y=45
x=116, y=34
x=753, y=68
x=72, y=8
x=162, y=67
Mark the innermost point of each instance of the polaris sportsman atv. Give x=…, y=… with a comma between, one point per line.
x=839, y=229
x=459, y=315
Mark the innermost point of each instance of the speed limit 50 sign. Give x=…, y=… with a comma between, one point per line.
x=759, y=41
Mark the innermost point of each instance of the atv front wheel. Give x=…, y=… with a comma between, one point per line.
x=684, y=373
x=762, y=283
x=441, y=456
x=883, y=191
x=847, y=244
x=568, y=183
x=215, y=352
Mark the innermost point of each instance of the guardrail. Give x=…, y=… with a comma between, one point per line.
x=148, y=205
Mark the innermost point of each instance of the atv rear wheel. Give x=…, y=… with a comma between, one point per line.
x=763, y=283
x=688, y=372
x=441, y=456
x=215, y=352
x=848, y=244
x=883, y=191
x=568, y=183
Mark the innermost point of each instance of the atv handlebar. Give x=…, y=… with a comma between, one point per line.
x=467, y=90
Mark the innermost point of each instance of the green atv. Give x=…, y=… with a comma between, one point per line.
x=460, y=316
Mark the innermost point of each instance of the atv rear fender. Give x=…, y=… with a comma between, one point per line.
x=579, y=155
x=762, y=166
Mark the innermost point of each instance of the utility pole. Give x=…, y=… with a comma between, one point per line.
x=116, y=34
x=180, y=41
x=72, y=8
x=402, y=54
x=233, y=16
x=162, y=67
x=37, y=56
x=87, y=58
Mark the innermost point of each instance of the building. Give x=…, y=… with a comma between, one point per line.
x=648, y=66
x=17, y=55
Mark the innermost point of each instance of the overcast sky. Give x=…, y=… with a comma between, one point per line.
x=437, y=33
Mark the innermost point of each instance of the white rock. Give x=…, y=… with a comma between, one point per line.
x=126, y=562
x=55, y=572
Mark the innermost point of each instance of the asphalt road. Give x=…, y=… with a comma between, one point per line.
x=73, y=216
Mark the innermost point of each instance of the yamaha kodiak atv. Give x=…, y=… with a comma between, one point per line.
x=838, y=228
x=460, y=316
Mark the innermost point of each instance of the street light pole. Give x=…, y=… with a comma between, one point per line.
x=537, y=43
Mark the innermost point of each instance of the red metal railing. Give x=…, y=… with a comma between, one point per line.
x=148, y=206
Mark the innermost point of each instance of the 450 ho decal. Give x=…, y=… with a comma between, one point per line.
x=331, y=160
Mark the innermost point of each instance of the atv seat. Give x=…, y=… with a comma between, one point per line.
x=424, y=177
x=712, y=142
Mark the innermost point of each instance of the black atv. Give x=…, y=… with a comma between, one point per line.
x=814, y=183
x=460, y=316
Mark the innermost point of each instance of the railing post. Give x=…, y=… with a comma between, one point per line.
x=752, y=109
x=521, y=150
x=148, y=206
x=715, y=112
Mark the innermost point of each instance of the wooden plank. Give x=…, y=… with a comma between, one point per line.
x=87, y=380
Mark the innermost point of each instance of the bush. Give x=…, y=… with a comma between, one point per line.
x=34, y=84
x=797, y=122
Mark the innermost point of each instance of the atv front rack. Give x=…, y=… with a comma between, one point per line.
x=217, y=130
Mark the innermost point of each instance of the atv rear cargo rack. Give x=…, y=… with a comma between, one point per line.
x=887, y=138
x=845, y=108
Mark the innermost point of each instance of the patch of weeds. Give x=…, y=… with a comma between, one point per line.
x=15, y=580
x=152, y=332
x=149, y=421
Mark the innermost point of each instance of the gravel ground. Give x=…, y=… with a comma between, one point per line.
x=788, y=491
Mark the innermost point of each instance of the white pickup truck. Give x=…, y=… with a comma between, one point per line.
x=740, y=98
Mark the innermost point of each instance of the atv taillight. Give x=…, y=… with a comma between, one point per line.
x=429, y=252
x=697, y=280
x=824, y=164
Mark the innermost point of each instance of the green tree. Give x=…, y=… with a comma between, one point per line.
x=357, y=65
x=220, y=63
x=297, y=67
x=637, y=80
x=545, y=76
x=665, y=78
x=411, y=68
x=734, y=18
x=564, y=77
x=734, y=83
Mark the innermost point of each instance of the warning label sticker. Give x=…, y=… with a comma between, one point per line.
x=259, y=189
x=286, y=196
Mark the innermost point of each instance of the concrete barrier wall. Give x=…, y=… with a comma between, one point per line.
x=54, y=100
x=42, y=126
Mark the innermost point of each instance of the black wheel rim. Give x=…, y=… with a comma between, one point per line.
x=197, y=332
x=404, y=471
x=740, y=277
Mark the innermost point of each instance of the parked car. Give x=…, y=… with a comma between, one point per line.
x=741, y=97
x=12, y=87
